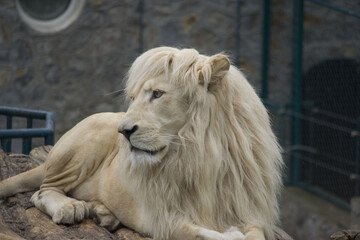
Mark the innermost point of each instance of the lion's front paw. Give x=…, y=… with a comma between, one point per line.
x=103, y=217
x=231, y=234
x=71, y=212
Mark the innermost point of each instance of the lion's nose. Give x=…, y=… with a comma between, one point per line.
x=128, y=131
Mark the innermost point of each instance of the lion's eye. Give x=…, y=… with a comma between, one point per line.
x=157, y=94
x=132, y=98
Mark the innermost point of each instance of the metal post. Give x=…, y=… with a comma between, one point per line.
x=50, y=124
x=265, y=49
x=237, y=34
x=6, y=142
x=49, y=139
x=27, y=140
x=311, y=143
x=140, y=9
x=297, y=87
x=357, y=160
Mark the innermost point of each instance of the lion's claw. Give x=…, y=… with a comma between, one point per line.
x=70, y=213
x=103, y=217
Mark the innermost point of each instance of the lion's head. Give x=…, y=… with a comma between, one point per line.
x=203, y=140
x=162, y=98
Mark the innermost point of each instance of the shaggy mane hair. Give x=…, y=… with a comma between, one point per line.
x=227, y=170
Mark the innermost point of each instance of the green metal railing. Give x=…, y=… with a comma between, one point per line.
x=6, y=135
x=336, y=8
x=297, y=86
x=357, y=160
x=265, y=49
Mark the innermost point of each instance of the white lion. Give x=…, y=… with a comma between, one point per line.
x=196, y=157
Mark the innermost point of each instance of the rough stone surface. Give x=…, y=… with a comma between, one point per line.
x=346, y=235
x=19, y=219
x=305, y=216
x=355, y=213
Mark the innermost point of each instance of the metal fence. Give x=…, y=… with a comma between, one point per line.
x=320, y=128
x=28, y=133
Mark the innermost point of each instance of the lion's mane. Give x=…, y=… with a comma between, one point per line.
x=227, y=169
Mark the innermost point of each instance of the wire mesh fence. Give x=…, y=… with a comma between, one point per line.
x=328, y=161
x=319, y=128
x=332, y=103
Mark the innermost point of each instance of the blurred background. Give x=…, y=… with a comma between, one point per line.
x=69, y=57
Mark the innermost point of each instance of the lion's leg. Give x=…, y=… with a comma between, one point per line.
x=102, y=216
x=62, y=209
x=254, y=233
x=191, y=232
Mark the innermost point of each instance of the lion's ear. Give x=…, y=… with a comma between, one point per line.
x=214, y=70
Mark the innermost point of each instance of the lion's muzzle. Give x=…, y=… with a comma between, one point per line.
x=127, y=131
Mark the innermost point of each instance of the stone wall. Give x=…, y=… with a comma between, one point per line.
x=75, y=72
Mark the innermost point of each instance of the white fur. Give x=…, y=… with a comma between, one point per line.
x=218, y=173
x=227, y=167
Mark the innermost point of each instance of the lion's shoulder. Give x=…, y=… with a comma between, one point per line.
x=95, y=129
x=102, y=119
x=82, y=149
x=96, y=124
